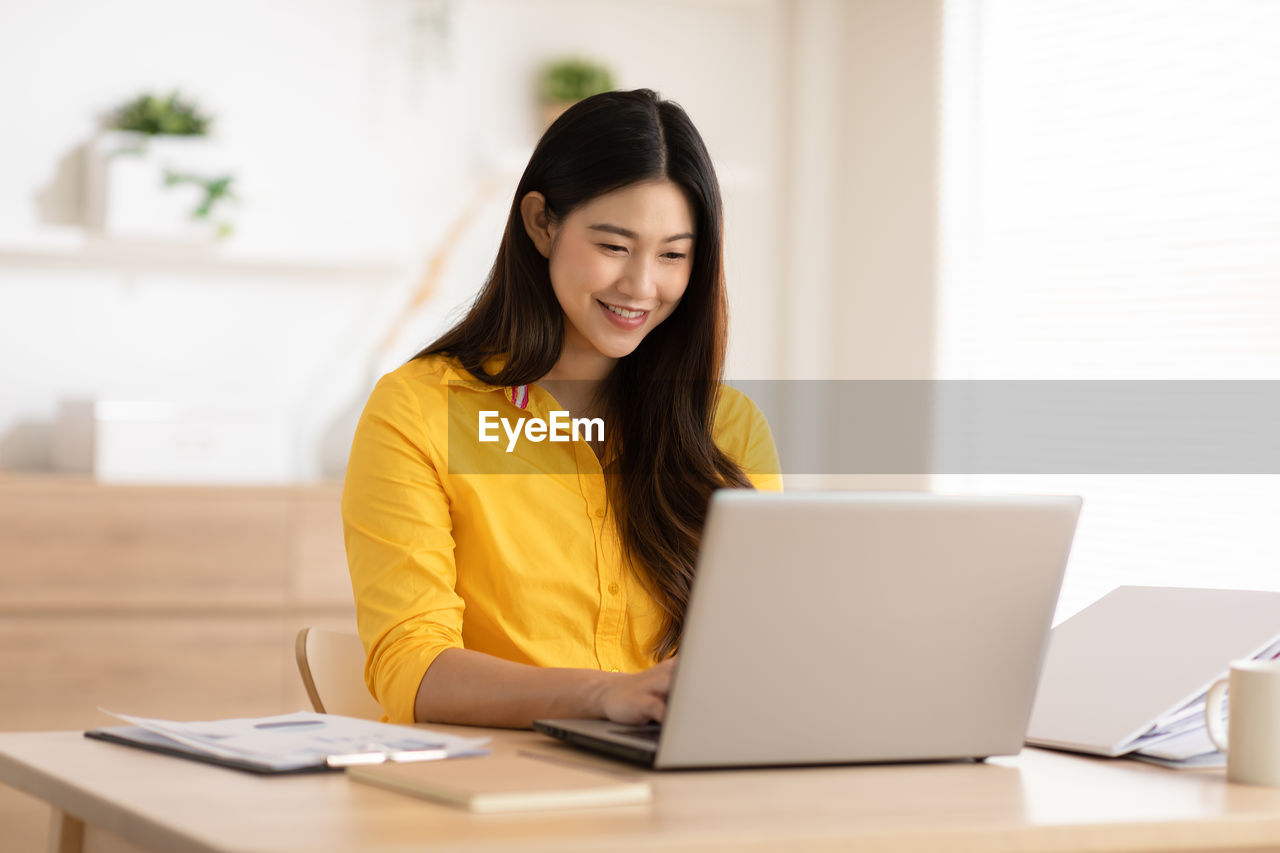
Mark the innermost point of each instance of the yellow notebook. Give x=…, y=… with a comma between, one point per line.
x=503, y=783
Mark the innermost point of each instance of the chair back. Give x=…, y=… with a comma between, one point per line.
x=331, y=664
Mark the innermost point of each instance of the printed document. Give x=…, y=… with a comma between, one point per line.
x=305, y=739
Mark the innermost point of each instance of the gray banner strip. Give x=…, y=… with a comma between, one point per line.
x=1023, y=427
x=970, y=427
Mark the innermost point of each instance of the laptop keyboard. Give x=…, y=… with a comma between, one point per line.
x=651, y=732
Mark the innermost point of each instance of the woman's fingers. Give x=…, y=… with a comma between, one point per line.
x=642, y=697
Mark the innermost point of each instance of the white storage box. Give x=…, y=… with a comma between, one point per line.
x=147, y=442
x=126, y=194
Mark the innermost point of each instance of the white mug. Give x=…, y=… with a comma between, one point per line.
x=1253, y=752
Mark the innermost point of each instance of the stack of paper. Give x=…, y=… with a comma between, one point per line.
x=289, y=742
x=1128, y=674
x=1179, y=738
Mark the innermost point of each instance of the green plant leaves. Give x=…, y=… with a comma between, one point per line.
x=152, y=114
x=571, y=80
x=216, y=191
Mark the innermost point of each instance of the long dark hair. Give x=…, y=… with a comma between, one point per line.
x=660, y=400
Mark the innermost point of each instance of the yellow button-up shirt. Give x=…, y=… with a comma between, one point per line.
x=524, y=564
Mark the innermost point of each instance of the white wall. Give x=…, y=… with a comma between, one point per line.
x=856, y=298
x=359, y=136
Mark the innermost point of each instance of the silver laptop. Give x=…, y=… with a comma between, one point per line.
x=1139, y=655
x=849, y=627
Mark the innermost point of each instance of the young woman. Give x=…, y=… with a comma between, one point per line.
x=501, y=575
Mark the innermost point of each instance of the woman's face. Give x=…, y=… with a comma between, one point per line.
x=619, y=265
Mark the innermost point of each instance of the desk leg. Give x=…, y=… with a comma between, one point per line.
x=66, y=833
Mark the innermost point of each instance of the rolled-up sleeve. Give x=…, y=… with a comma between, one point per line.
x=743, y=433
x=760, y=457
x=400, y=546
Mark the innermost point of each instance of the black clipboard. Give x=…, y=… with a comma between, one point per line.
x=140, y=738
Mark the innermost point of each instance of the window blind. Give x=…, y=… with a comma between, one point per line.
x=1111, y=185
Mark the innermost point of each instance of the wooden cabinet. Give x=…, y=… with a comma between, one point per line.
x=175, y=602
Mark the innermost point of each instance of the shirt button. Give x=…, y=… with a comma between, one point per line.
x=600, y=512
x=613, y=589
x=614, y=669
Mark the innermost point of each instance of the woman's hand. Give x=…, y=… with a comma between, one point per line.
x=472, y=688
x=639, y=698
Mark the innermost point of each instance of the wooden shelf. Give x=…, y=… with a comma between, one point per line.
x=44, y=480
x=78, y=250
x=71, y=542
x=172, y=601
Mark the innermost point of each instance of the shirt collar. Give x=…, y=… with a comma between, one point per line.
x=457, y=376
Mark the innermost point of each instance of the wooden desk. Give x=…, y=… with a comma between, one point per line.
x=1038, y=800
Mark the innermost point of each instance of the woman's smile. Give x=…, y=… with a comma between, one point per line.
x=623, y=318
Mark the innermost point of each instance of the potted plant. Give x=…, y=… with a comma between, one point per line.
x=154, y=172
x=151, y=115
x=564, y=82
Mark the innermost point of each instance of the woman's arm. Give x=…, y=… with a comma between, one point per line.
x=466, y=686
